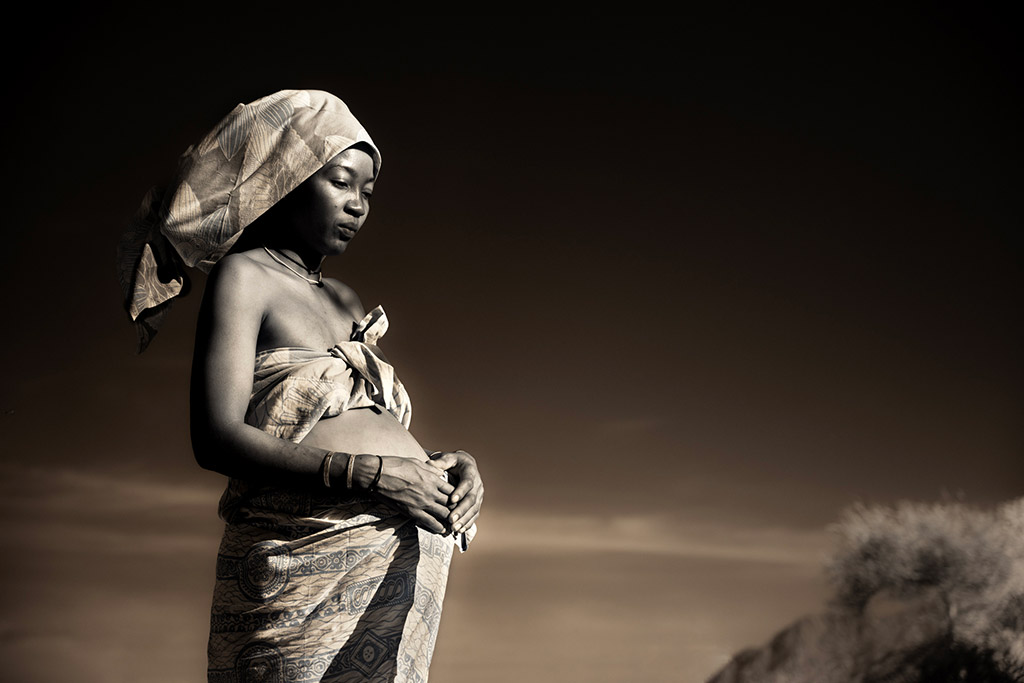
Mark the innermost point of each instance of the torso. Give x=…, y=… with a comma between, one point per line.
x=364, y=430
x=300, y=314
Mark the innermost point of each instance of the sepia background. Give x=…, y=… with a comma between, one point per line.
x=686, y=287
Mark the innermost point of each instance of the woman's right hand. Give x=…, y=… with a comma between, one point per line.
x=414, y=487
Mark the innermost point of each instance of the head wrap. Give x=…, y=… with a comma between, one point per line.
x=259, y=153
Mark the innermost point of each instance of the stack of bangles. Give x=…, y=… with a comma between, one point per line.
x=325, y=469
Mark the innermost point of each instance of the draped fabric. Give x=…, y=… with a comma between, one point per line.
x=293, y=386
x=345, y=604
x=254, y=157
x=322, y=586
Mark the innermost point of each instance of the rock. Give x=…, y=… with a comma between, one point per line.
x=883, y=644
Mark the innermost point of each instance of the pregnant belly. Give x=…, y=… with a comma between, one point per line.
x=363, y=430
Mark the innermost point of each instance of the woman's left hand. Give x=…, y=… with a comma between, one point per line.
x=468, y=496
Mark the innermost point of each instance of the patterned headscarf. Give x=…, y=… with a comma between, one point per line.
x=254, y=157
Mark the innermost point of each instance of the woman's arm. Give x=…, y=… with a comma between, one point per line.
x=232, y=312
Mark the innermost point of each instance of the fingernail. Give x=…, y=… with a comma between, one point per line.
x=455, y=518
x=455, y=499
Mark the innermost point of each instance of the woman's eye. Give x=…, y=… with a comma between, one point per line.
x=367, y=195
x=339, y=183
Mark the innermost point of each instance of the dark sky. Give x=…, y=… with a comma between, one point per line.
x=687, y=287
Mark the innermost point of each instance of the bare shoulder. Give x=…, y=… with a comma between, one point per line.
x=236, y=271
x=237, y=282
x=230, y=316
x=347, y=296
x=241, y=264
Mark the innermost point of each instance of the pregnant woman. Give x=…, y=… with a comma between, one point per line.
x=339, y=524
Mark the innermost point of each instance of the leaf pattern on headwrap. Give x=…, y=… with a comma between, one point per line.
x=272, y=118
x=269, y=183
x=275, y=113
x=148, y=284
x=184, y=216
x=133, y=239
x=303, y=98
x=215, y=227
x=205, y=146
x=235, y=133
x=262, y=141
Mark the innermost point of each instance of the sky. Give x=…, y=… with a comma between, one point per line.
x=686, y=288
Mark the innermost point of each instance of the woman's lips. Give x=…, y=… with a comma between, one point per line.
x=346, y=232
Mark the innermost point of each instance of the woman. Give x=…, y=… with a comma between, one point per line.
x=339, y=525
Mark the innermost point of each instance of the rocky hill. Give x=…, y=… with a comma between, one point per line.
x=923, y=594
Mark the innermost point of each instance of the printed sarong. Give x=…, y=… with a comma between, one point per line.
x=353, y=602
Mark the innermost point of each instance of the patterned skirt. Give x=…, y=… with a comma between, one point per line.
x=353, y=599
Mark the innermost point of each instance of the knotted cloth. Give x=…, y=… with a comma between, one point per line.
x=254, y=157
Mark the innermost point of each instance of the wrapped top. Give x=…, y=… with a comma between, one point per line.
x=295, y=387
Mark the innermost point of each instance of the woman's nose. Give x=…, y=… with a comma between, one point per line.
x=356, y=206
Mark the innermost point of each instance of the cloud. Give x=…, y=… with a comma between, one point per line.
x=65, y=510
x=101, y=510
x=648, y=534
x=63, y=488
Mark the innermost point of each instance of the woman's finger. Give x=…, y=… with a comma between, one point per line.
x=427, y=522
x=438, y=490
x=469, y=521
x=444, y=461
x=469, y=479
x=428, y=479
x=440, y=514
x=470, y=504
x=438, y=511
x=460, y=491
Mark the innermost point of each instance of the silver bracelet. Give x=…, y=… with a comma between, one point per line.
x=348, y=475
x=325, y=465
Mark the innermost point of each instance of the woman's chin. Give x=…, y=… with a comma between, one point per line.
x=336, y=248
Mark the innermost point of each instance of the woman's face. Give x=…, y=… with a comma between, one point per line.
x=333, y=203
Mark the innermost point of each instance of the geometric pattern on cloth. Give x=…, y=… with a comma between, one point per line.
x=351, y=604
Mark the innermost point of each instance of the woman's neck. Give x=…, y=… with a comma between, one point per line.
x=310, y=259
